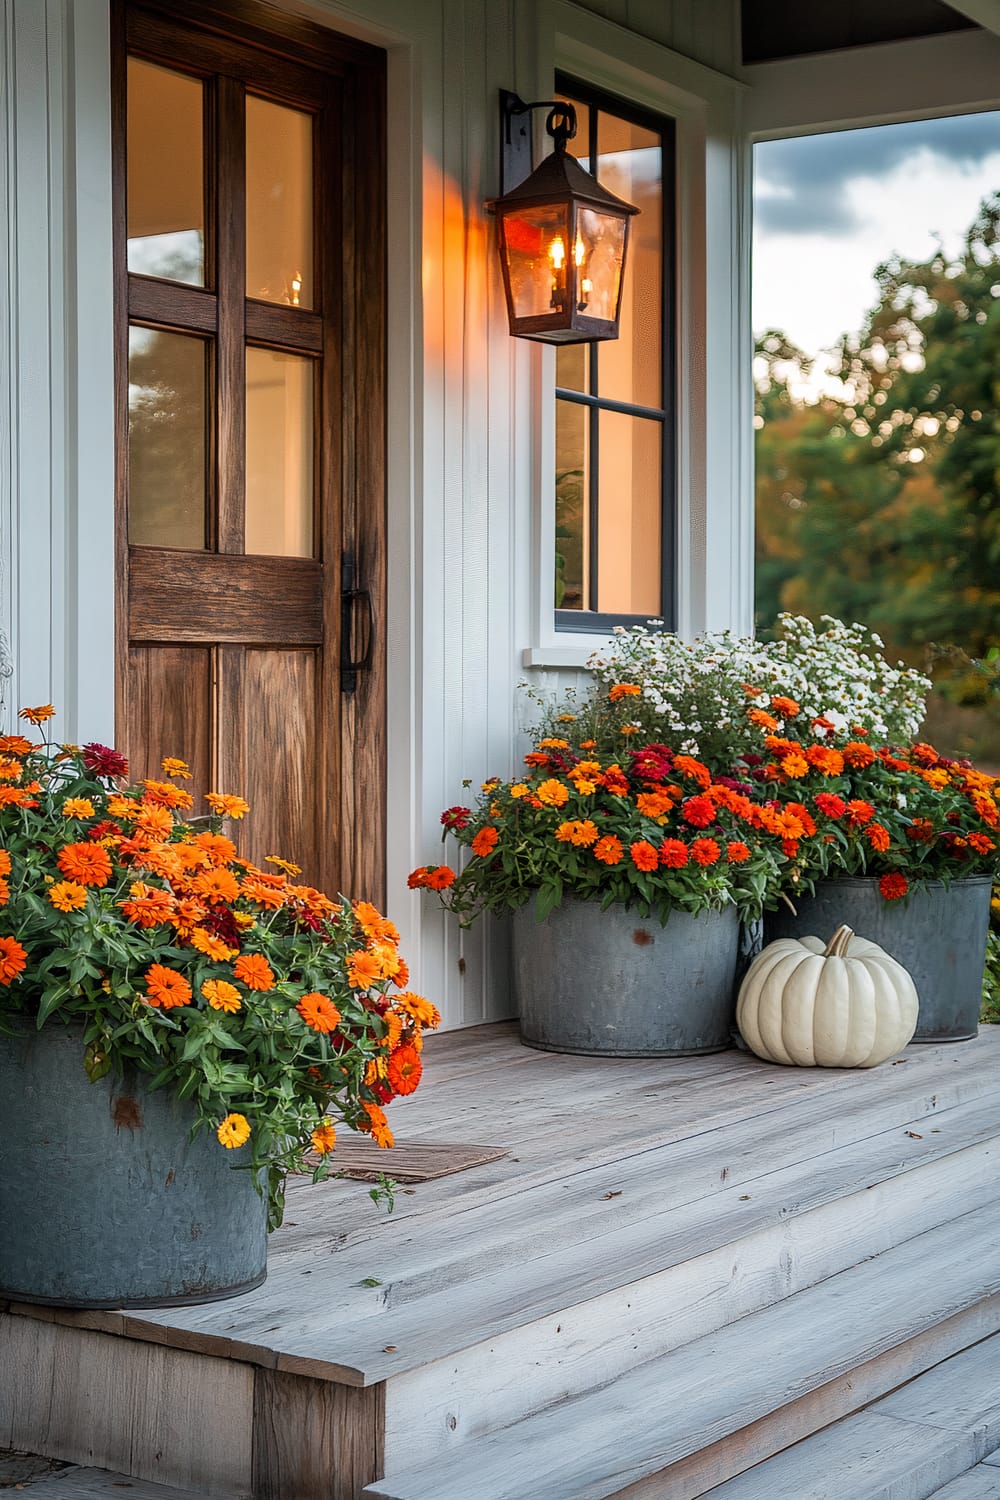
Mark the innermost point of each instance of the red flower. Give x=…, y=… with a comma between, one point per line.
x=830, y=805
x=673, y=854
x=440, y=879
x=104, y=762
x=654, y=763
x=698, y=811
x=456, y=817
x=893, y=886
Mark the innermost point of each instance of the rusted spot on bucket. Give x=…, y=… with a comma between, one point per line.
x=641, y=938
x=126, y=1113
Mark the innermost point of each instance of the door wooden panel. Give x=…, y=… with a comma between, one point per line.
x=170, y=695
x=229, y=659
x=284, y=774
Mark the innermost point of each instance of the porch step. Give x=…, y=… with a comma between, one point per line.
x=74, y=1483
x=552, y=1325
x=904, y=1447
x=679, y=1424
x=980, y=1483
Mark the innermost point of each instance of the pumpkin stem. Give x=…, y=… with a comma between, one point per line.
x=837, y=946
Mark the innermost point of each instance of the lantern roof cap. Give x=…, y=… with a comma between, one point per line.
x=560, y=178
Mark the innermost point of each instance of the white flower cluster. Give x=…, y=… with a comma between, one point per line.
x=694, y=692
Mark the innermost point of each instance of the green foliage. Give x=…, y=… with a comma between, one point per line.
x=263, y=1002
x=884, y=504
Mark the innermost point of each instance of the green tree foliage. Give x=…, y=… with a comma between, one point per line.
x=884, y=505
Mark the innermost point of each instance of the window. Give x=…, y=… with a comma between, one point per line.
x=614, y=444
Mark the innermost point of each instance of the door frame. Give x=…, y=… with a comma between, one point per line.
x=357, y=453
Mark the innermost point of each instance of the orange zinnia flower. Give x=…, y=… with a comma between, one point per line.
x=66, y=895
x=686, y=765
x=154, y=820
x=377, y=1124
x=14, y=744
x=878, y=837
x=219, y=849
x=213, y=947
x=285, y=865
x=654, y=804
x=644, y=856
x=87, y=864
x=166, y=988
x=418, y=1009
x=761, y=719
x=705, y=851
x=253, y=970
x=405, y=1068
x=319, y=1012
x=552, y=793
x=323, y=1138
x=859, y=812
x=227, y=807
x=221, y=995
x=261, y=892
x=786, y=707
x=363, y=969
x=795, y=765
x=38, y=715
x=13, y=959
x=368, y=917
x=171, y=766
x=4, y=862
x=485, y=842
x=737, y=853
x=608, y=850
x=440, y=879
x=146, y=906
x=216, y=885
x=825, y=759
x=624, y=690
x=858, y=755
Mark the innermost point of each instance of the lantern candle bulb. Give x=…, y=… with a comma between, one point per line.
x=557, y=255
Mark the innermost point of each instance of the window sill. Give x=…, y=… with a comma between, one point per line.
x=541, y=657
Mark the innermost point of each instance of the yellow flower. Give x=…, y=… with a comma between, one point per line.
x=173, y=767
x=323, y=1138
x=78, y=807
x=221, y=995
x=283, y=864
x=518, y=789
x=234, y=1131
x=66, y=895
x=227, y=807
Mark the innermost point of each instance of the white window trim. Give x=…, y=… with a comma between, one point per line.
x=714, y=541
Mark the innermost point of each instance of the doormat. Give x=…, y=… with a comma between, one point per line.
x=407, y=1161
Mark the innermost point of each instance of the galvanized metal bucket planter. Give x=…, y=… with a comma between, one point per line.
x=938, y=934
x=107, y=1202
x=614, y=984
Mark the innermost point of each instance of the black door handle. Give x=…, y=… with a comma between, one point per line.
x=350, y=597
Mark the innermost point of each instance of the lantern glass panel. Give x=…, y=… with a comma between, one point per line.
x=535, y=243
x=598, y=253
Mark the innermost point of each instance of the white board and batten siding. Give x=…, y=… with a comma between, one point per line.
x=470, y=418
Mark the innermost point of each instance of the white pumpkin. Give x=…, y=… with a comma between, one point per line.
x=846, y=1005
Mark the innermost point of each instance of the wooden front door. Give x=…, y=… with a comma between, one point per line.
x=249, y=151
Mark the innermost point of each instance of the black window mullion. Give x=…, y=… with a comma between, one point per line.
x=591, y=397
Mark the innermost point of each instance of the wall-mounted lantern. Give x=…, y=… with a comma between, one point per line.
x=562, y=237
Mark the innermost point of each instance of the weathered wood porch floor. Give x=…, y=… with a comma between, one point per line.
x=682, y=1268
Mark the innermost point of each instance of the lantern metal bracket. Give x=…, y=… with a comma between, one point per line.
x=515, y=134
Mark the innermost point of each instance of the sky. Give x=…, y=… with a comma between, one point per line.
x=829, y=208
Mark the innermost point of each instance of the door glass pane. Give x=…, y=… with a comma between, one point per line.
x=572, y=506
x=166, y=196
x=166, y=439
x=630, y=164
x=629, y=511
x=279, y=204
x=279, y=507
